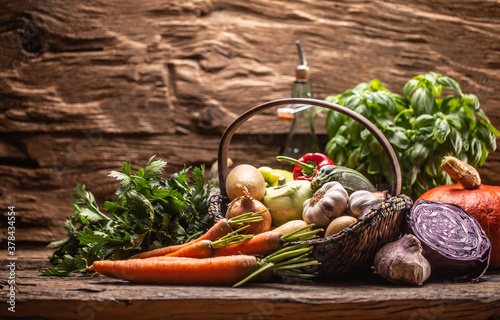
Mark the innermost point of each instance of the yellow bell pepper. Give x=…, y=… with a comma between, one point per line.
x=275, y=177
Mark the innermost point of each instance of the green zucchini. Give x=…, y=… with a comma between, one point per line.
x=350, y=179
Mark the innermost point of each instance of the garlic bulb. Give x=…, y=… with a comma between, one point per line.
x=328, y=203
x=402, y=261
x=362, y=201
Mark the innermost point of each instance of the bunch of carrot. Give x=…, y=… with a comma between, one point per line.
x=220, y=256
x=217, y=231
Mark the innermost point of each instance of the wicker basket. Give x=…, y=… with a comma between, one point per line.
x=351, y=251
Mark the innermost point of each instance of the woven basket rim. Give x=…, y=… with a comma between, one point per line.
x=369, y=219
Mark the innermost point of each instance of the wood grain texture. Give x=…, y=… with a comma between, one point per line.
x=100, y=297
x=87, y=85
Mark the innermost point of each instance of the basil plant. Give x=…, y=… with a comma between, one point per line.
x=423, y=125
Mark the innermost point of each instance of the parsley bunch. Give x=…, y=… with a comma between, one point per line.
x=148, y=213
x=423, y=125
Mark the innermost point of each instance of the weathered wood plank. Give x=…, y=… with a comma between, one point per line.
x=369, y=298
x=85, y=86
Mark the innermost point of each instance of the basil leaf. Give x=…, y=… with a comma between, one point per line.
x=463, y=157
x=354, y=129
x=487, y=122
x=363, y=110
x=456, y=141
x=353, y=101
x=409, y=87
x=374, y=166
x=341, y=159
x=450, y=104
x=334, y=120
x=411, y=175
x=470, y=100
x=465, y=146
x=484, y=154
x=424, y=120
x=422, y=101
x=474, y=152
x=384, y=100
x=374, y=146
x=432, y=83
x=441, y=130
x=331, y=149
x=450, y=84
x=332, y=99
x=398, y=139
x=385, y=123
x=432, y=77
x=419, y=153
x=454, y=120
x=433, y=167
x=354, y=158
x=486, y=136
x=424, y=134
x=361, y=87
x=376, y=85
x=365, y=134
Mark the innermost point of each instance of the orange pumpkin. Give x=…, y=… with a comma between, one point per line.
x=480, y=201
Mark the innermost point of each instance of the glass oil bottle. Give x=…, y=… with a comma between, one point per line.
x=301, y=138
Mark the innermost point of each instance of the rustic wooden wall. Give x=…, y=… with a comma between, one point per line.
x=85, y=85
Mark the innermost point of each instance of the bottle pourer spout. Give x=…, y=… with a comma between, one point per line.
x=302, y=70
x=302, y=56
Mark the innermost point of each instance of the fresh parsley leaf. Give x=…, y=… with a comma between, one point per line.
x=154, y=169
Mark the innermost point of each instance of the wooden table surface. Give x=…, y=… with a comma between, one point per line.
x=99, y=297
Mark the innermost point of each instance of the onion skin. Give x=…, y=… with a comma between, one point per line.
x=452, y=240
x=245, y=204
x=245, y=179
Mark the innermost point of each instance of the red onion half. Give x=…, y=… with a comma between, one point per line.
x=452, y=240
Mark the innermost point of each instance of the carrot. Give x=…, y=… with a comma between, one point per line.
x=260, y=244
x=266, y=243
x=206, y=248
x=214, y=270
x=218, y=230
x=198, y=249
x=188, y=271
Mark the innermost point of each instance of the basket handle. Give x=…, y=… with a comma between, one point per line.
x=231, y=129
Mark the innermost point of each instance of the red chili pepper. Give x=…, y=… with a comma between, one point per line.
x=308, y=165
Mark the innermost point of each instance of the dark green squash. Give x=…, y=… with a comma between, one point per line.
x=350, y=179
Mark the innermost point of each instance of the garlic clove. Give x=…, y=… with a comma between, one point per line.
x=362, y=201
x=312, y=215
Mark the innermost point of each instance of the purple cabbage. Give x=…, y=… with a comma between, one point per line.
x=452, y=240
